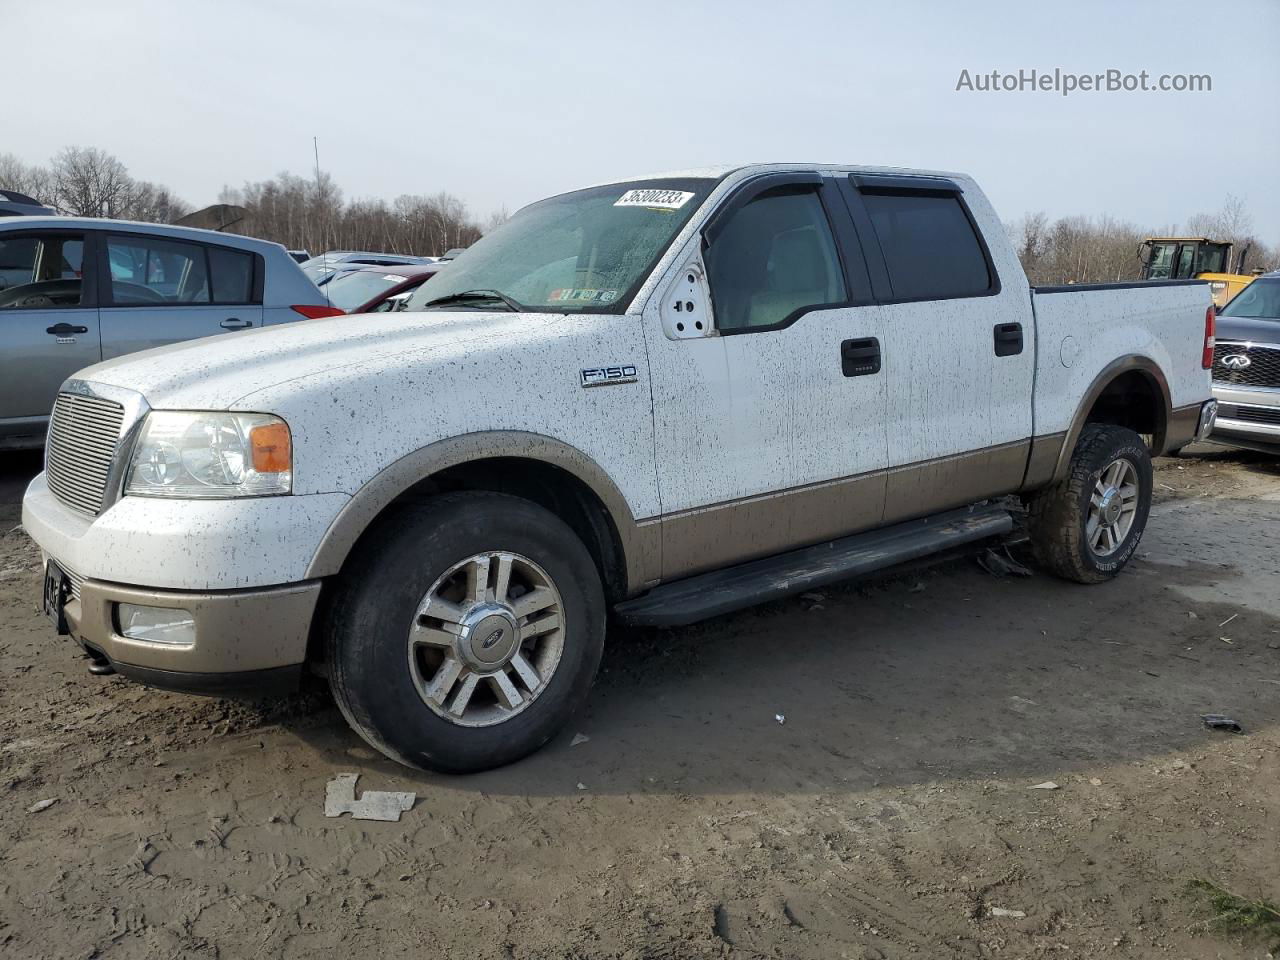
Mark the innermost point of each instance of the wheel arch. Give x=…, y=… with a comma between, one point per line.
x=555, y=475
x=1131, y=391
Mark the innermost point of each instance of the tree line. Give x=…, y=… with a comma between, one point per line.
x=1106, y=250
x=310, y=213
x=303, y=213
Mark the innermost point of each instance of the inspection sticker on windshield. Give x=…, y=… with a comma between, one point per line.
x=654, y=199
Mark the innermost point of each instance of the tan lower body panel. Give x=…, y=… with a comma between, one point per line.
x=919, y=489
x=729, y=533
x=1042, y=462
x=235, y=631
x=725, y=534
x=1183, y=423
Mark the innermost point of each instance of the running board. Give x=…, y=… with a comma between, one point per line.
x=687, y=601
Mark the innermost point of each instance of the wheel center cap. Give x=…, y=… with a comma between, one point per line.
x=489, y=637
x=1110, y=506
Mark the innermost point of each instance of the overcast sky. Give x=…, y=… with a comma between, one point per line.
x=501, y=103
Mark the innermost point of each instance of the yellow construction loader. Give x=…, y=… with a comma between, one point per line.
x=1199, y=258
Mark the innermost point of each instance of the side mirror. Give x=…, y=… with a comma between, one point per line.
x=686, y=303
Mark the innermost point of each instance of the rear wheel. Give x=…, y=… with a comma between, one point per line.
x=1087, y=527
x=469, y=633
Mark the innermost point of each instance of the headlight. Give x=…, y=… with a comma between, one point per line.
x=211, y=455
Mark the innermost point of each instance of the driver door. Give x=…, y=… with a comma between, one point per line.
x=48, y=324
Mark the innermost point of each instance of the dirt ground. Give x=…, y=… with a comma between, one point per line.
x=851, y=777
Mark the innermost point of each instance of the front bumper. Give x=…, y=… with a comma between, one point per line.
x=190, y=545
x=244, y=641
x=1248, y=417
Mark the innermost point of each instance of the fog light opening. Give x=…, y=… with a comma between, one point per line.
x=163, y=625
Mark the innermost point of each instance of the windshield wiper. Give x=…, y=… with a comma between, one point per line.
x=467, y=295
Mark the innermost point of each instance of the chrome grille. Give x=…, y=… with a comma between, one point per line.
x=75, y=580
x=1263, y=369
x=1257, y=414
x=83, y=434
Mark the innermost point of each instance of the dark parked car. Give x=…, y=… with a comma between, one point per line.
x=14, y=204
x=378, y=289
x=1246, y=368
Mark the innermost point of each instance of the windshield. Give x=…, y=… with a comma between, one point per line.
x=1259, y=300
x=355, y=289
x=580, y=252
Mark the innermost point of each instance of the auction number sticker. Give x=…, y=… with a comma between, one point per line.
x=582, y=295
x=654, y=199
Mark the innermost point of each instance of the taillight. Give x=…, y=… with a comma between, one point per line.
x=1210, y=331
x=315, y=313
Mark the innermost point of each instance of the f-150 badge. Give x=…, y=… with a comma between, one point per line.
x=600, y=376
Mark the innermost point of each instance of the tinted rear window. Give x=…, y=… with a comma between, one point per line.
x=232, y=273
x=929, y=245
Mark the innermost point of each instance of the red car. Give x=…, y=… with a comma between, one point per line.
x=378, y=289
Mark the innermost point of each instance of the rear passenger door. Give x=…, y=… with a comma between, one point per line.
x=958, y=350
x=159, y=290
x=48, y=323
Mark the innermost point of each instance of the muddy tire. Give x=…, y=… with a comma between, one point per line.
x=1087, y=527
x=465, y=631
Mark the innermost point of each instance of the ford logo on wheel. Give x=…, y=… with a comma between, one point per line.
x=491, y=639
x=1236, y=361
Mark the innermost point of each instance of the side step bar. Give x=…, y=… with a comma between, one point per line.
x=687, y=601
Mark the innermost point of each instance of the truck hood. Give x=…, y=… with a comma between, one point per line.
x=215, y=372
x=1250, y=329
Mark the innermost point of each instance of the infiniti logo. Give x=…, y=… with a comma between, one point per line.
x=1236, y=361
x=491, y=639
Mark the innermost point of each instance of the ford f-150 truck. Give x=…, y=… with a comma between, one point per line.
x=658, y=399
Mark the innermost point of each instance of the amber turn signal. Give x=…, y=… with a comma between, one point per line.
x=272, y=448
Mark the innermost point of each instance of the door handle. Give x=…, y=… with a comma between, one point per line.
x=1008, y=337
x=860, y=358
x=235, y=323
x=65, y=329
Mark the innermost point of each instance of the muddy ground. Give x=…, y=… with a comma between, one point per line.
x=891, y=814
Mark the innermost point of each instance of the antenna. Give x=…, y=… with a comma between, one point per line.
x=315, y=146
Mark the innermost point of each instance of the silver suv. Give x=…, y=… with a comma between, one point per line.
x=74, y=291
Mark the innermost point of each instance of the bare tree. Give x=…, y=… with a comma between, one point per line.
x=34, y=181
x=88, y=182
x=153, y=203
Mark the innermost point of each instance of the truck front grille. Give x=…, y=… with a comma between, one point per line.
x=1262, y=370
x=83, y=435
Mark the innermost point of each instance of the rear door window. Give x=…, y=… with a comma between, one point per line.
x=41, y=270
x=152, y=270
x=156, y=270
x=931, y=248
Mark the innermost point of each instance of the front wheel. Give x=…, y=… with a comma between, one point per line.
x=1087, y=527
x=468, y=633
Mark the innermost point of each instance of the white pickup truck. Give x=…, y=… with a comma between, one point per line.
x=663, y=399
